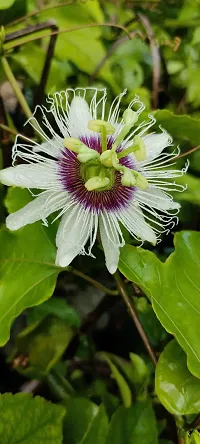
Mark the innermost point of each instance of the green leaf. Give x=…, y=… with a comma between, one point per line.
x=192, y=192
x=120, y=380
x=27, y=272
x=55, y=306
x=97, y=431
x=43, y=344
x=31, y=58
x=80, y=415
x=5, y=4
x=176, y=387
x=173, y=288
x=82, y=47
x=29, y=420
x=179, y=126
x=133, y=425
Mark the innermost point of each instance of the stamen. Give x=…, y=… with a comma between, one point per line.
x=73, y=144
x=130, y=118
x=109, y=159
x=84, y=152
x=128, y=177
x=96, y=183
x=102, y=127
x=138, y=148
x=141, y=181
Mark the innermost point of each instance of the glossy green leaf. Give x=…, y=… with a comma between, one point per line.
x=180, y=126
x=98, y=429
x=28, y=420
x=55, y=306
x=173, y=288
x=80, y=414
x=43, y=344
x=133, y=425
x=27, y=272
x=176, y=387
x=5, y=4
x=119, y=378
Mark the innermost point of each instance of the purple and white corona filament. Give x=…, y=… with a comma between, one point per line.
x=96, y=171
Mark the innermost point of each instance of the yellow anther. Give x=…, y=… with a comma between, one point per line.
x=96, y=125
x=130, y=117
x=96, y=183
x=109, y=159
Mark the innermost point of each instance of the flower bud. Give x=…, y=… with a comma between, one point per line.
x=130, y=117
x=96, y=183
x=96, y=126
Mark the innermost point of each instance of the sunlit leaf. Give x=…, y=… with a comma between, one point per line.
x=5, y=4
x=29, y=420
x=173, y=288
x=177, y=388
x=27, y=271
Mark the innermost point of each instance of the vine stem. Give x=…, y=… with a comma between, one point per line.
x=16, y=88
x=123, y=292
x=93, y=281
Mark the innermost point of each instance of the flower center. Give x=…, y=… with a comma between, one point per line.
x=97, y=176
x=98, y=169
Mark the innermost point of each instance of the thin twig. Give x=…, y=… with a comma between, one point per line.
x=110, y=51
x=15, y=133
x=39, y=11
x=155, y=58
x=93, y=282
x=134, y=316
x=187, y=152
x=75, y=28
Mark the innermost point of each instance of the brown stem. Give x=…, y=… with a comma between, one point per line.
x=14, y=132
x=93, y=282
x=134, y=316
x=156, y=59
x=47, y=64
x=187, y=152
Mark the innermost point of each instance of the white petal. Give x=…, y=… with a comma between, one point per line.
x=73, y=233
x=132, y=218
x=39, y=208
x=109, y=231
x=79, y=116
x=52, y=147
x=155, y=144
x=156, y=198
x=38, y=175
